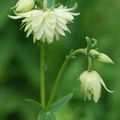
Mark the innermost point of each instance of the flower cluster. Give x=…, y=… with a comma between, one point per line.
x=46, y=24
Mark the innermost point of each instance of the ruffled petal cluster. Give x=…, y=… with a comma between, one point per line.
x=91, y=85
x=46, y=25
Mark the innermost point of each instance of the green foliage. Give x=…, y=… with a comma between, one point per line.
x=58, y=104
x=36, y=105
x=46, y=116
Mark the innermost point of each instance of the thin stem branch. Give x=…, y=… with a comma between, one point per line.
x=60, y=73
x=42, y=74
x=90, y=63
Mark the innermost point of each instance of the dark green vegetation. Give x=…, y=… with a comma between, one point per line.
x=19, y=63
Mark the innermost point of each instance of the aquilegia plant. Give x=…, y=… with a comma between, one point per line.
x=47, y=23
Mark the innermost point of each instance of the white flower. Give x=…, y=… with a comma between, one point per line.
x=91, y=85
x=45, y=25
x=24, y=5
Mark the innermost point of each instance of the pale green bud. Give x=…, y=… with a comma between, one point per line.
x=91, y=85
x=100, y=56
x=24, y=5
x=104, y=58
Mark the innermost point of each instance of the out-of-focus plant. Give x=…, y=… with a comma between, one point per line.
x=47, y=23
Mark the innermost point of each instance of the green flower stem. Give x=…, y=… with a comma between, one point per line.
x=45, y=5
x=53, y=2
x=42, y=74
x=90, y=63
x=60, y=73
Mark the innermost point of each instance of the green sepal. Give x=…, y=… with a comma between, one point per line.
x=91, y=43
x=58, y=104
x=46, y=116
x=94, y=44
x=35, y=104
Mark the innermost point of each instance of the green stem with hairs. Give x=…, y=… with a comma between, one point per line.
x=60, y=73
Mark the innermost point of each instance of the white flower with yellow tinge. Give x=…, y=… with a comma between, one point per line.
x=47, y=25
x=91, y=85
x=24, y=5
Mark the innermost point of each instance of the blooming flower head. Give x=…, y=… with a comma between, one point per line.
x=91, y=85
x=47, y=25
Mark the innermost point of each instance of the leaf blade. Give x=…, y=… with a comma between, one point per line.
x=35, y=104
x=58, y=104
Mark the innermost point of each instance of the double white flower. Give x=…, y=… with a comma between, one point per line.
x=46, y=25
x=91, y=85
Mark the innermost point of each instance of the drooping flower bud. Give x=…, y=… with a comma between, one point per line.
x=91, y=85
x=24, y=5
x=104, y=58
x=100, y=56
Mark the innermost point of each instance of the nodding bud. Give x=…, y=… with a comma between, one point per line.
x=100, y=56
x=91, y=85
x=24, y=5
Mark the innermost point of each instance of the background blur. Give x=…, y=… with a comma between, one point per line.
x=19, y=63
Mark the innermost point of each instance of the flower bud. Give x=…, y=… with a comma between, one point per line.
x=104, y=58
x=91, y=85
x=100, y=56
x=24, y=5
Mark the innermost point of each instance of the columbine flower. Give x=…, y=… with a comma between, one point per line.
x=24, y=5
x=91, y=85
x=45, y=25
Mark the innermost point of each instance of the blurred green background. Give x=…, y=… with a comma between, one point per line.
x=19, y=63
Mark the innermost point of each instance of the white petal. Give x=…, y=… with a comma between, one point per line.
x=28, y=25
x=61, y=20
x=39, y=32
x=64, y=27
x=43, y=38
x=14, y=17
x=96, y=88
x=57, y=35
x=102, y=82
x=37, y=21
x=61, y=31
x=48, y=30
x=29, y=32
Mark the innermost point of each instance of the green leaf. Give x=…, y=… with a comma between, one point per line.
x=46, y=116
x=35, y=104
x=58, y=104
